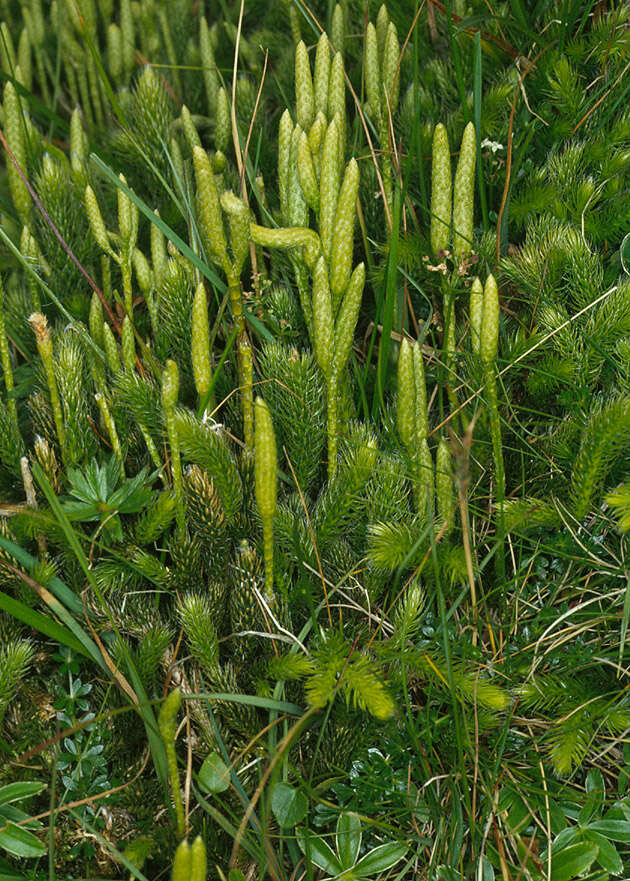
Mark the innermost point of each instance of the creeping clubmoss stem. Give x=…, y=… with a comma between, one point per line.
x=448, y=343
x=331, y=407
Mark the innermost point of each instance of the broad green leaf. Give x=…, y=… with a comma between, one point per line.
x=608, y=858
x=568, y=836
x=17, y=816
x=595, y=781
x=445, y=873
x=616, y=830
x=20, y=842
x=381, y=858
x=519, y=814
x=557, y=816
x=288, y=805
x=573, y=861
x=487, y=870
x=317, y=851
x=348, y=838
x=595, y=794
x=17, y=791
x=214, y=775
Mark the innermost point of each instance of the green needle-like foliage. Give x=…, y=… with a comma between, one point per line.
x=197, y=616
x=355, y=675
x=16, y=657
x=605, y=434
x=203, y=444
x=295, y=395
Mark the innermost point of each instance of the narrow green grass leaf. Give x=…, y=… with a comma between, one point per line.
x=225, y=824
x=477, y=105
x=55, y=585
x=41, y=623
x=251, y=700
x=457, y=62
x=625, y=617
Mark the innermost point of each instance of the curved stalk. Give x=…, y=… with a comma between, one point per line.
x=332, y=424
x=499, y=470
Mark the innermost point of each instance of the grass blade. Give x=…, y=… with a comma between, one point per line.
x=41, y=623
x=477, y=103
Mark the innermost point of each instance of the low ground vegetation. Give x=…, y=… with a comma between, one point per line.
x=314, y=431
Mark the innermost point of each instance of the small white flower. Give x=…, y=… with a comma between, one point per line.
x=492, y=145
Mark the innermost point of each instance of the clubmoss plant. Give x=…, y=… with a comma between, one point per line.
x=456, y=208
x=200, y=347
x=211, y=222
x=441, y=192
x=128, y=226
x=110, y=425
x=475, y=313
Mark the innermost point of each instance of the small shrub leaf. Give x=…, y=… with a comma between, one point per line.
x=288, y=805
x=214, y=775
